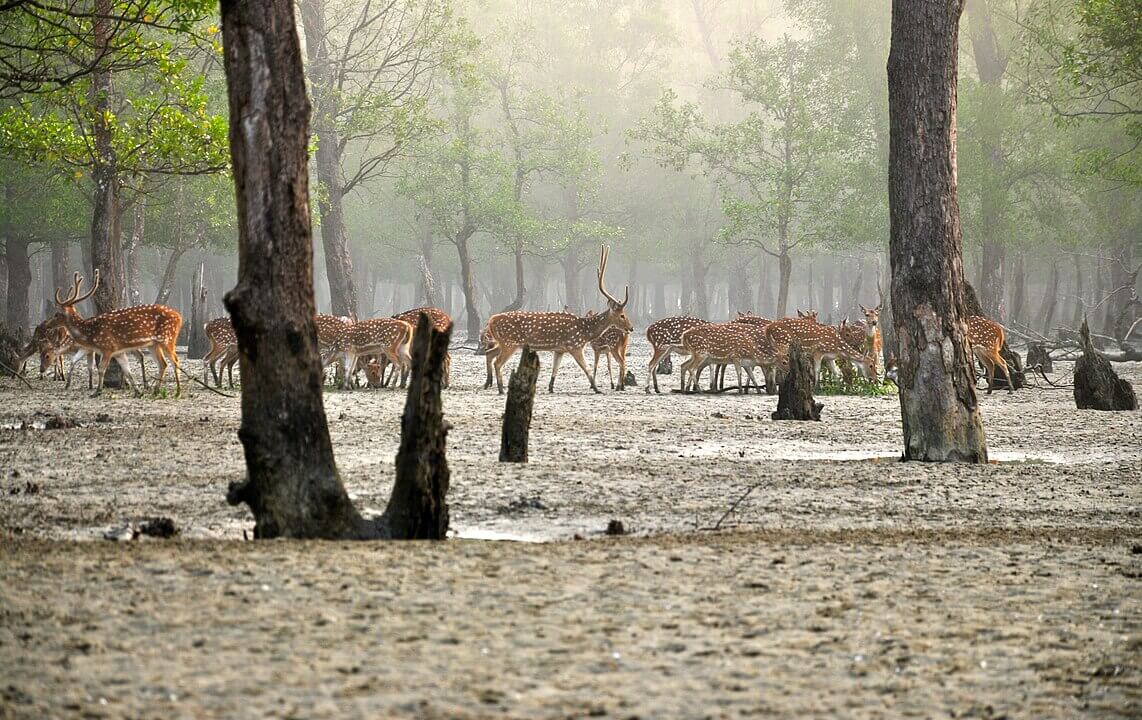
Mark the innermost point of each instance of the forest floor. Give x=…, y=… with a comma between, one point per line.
x=838, y=582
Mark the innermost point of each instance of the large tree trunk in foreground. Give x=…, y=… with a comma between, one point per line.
x=292, y=485
x=418, y=509
x=938, y=402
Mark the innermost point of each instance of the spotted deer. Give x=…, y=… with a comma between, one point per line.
x=864, y=335
x=763, y=355
x=559, y=332
x=143, y=327
x=986, y=339
x=823, y=342
x=379, y=336
x=612, y=344
x=51, y=345
x=441, y=321
x=728, y=343
x=665, y=337
x=223, y=352
x=751, y=319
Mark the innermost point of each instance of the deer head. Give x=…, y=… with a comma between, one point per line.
x=616, y=311
x=67, y=305
x=807, y=314
x=871, y=317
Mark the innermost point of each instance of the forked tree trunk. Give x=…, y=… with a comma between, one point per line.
x=292, y=485
x=938, y=402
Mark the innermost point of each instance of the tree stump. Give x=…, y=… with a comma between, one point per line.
x=1097, y=387
x=1037, y=355
x=517, y=409
x=418, y=508
x=795, y=397
x=10, y=345
x=665, y=366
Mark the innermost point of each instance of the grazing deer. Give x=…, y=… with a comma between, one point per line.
x=441, y=321
x=223, y=351
x=613, y=344
x=763, y=354
x=722, y=343
x=51, y=345
x=665, y=337
x=143, y=327
x=864, y=335
x=823, y=342
x=387, y=336
x=561, y=333
x=986, y=339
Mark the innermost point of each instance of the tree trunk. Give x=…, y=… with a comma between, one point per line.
x=699, y=269
x=938, y=402
x=292, y=486
x=417, y=508
x=1050, y=299
x=468, y=284
x=785, y=271
x=1097, y=386
x=105, y=242
x=61, y=266
x=1122, y=281
x=571, y=279
x=19, y=283
x=196, y=342
x=134, y=249
x=517, y=409
x=1077, y=316
x=166, y=285
x=1018, y=289
x=795, y=396
x=659, y=310
x=330, y=200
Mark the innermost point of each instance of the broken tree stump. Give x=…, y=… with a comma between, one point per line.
x=665, y=366
x=517, y=408
x=418, y=508
x=1037, y=355
x=795, y=396
x=1097, y=387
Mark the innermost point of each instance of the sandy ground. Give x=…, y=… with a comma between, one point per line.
x=841, y=583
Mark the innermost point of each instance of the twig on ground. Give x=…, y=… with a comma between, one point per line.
x=213, y=390
x=16, y=375
x=726, y=514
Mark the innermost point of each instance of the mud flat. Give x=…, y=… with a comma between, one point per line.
x=842, y=583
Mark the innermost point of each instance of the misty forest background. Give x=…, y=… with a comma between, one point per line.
x=474, y=154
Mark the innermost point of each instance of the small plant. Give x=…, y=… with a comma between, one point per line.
x=833, y=385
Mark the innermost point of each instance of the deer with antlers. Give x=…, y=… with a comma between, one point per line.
x=665, y=337
x=823, y=342
x=559, y=332
x=223, y=352
x=986, y=339
x=143, y=327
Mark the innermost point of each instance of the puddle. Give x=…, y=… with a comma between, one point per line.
x=483, y=533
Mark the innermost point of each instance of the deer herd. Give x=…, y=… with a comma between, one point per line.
x=375, y=345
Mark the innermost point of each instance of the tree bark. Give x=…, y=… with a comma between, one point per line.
x=1097, y=386
x=61, y=266
x=939, y=408
x=699, y=268
x=1018, y=289
x=517, y=409
x=133, y=249
x=468, y=283
x=19, y=283
x=1050, y=299
x=330, y=199
x=106, y=247
x=795, y=396
x=196, y=342
x=417, y=508
x=1077, y=315
x=292, y=485
x=785, y=271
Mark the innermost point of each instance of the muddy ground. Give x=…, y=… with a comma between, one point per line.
x=837, y=582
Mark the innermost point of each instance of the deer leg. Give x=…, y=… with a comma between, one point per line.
x=652, y=373
x=752, y=379
x=610, y=377
x=738, y=368
x=173, y=353
x=556, y=358
x=503, y=355
x=578, y=355
x=162, y=363
x=349, y=361
x=142, y=367
x=1006, y=371
x=595, y=367
x=622, y=360
x=405, y=361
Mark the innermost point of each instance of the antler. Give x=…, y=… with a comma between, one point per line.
x=73, y=296
x=604, y=253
